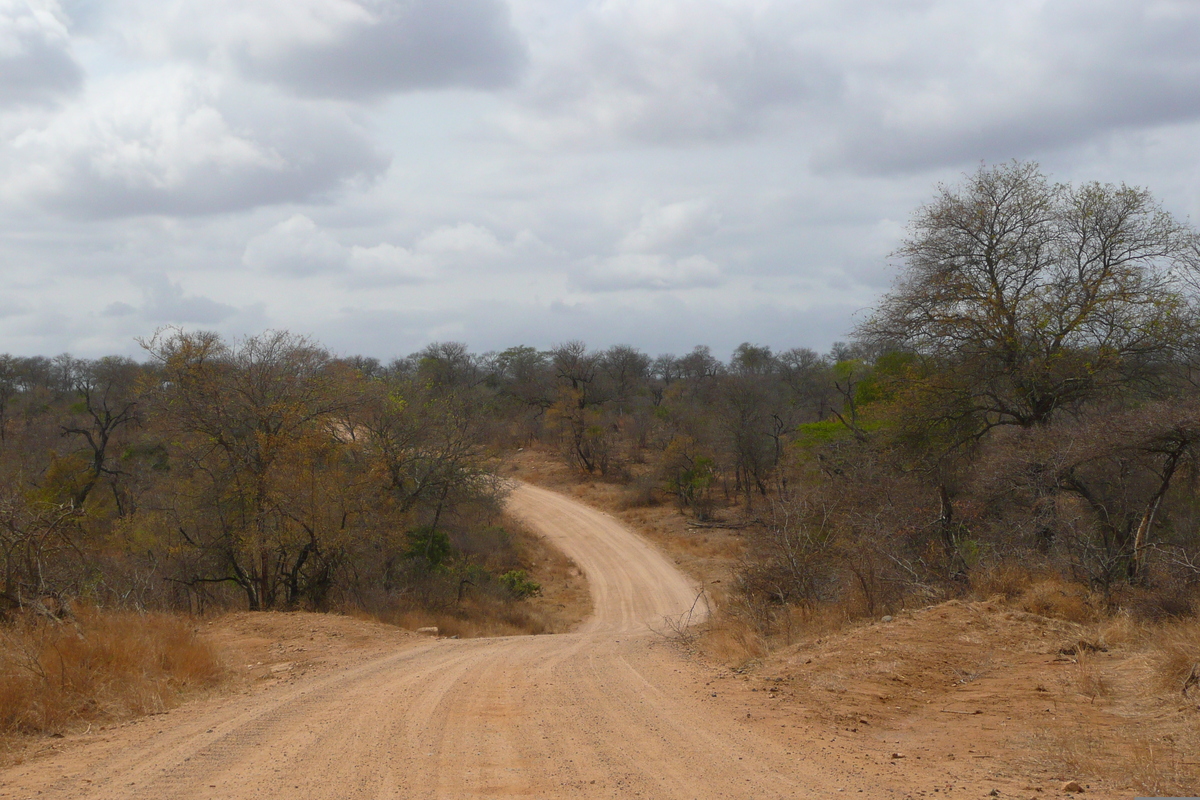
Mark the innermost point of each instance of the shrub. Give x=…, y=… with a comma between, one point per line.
x=519, y=584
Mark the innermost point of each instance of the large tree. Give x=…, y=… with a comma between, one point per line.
x=258, y=479
x=1022, y=297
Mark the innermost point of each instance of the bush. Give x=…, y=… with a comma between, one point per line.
x=518, y=583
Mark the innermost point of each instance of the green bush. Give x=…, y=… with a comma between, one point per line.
x=517, y=582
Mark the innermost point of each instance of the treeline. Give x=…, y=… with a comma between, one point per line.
x=1023, y=399
x=263, y=473
x=269, y=473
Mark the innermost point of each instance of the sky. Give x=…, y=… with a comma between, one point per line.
x=383, y=174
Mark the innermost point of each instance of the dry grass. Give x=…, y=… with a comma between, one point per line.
x=1059, y=599
x=1152, y=766
x=1088, y=678
x=478, y=616
x=98, y=665
x=731, y=642
x=1176, y=653
x=1150, y=744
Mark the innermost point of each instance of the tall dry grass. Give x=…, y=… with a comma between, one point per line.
x=97, y=665
x=1176, y=649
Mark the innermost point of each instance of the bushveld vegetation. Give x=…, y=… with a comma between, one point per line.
x=1022, y=403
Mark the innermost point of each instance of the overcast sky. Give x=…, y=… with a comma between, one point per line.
x=381, y=174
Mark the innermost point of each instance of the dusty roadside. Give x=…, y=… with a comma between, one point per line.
x=972, y=696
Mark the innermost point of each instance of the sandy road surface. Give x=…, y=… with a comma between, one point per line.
x=609, y=711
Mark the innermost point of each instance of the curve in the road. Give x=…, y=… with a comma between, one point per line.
x=611, y=710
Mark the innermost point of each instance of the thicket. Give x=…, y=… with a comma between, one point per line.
x=1024, y=398
x=260, y=474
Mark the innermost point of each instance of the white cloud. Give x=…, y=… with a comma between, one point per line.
x=662, y=227
x=462, y=240
x=387, y=264
x=642, y=271
x=295, y=246
x=299, y=247
x=36, y=63
x=174, y=141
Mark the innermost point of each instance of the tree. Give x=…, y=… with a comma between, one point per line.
x=257, y=483
x=106, y=402
x=574, y=411
x=1023, y=298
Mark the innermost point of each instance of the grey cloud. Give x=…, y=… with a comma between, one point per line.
x=669, y=71
x=118, y=309
x=36, y=63
x=1050, y=77
x=12, y=308
x=360, y=48
x=869, y=86
x=166, y=302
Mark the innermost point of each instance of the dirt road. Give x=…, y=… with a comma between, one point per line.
x=612, y=710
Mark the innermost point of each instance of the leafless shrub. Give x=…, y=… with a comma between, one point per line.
x=682, y=626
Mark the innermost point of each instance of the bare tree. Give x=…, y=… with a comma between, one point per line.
x=1026, y=298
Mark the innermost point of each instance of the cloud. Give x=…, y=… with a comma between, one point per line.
x=354, y=49
x=867, y=86
x=387, y=265
x=297, y=247
x=463, y=240
x=118, y=309
x=971, y=83
x=166, y=302
x=36, y=64
x=662, y=227
x=646, y=271
x=667, y=71
x=173, y=141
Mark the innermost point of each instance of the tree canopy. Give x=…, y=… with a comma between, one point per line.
x=1024, y=297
